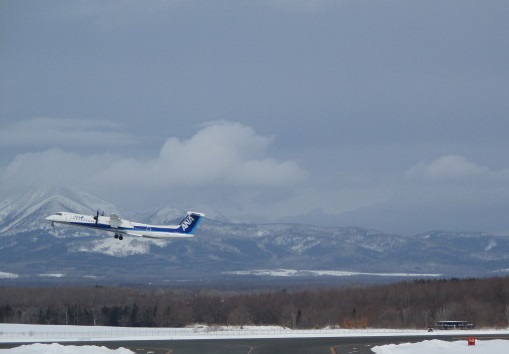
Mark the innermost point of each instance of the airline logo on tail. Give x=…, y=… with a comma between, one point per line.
x=187, y=222
x=190, y=223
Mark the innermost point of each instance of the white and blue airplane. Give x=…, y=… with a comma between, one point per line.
x=121, y=227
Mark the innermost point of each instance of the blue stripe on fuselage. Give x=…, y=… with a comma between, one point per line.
x=126, y=229
x=154, y=229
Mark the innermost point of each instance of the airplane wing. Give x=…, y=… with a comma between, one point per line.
x=115, y=221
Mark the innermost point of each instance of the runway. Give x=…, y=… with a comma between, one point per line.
x=332, y=345
x=339, y=345
x=259, y=346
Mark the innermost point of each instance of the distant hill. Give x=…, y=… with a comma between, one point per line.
x=31, y=250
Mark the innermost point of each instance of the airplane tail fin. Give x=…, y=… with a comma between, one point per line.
x=190, y=222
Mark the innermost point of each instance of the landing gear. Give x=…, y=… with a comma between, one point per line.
x=52, y=224
x=119, y=237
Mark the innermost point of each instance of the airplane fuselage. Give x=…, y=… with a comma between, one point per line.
x=121, y=227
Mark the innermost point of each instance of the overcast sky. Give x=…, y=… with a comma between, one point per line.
x=390, y=114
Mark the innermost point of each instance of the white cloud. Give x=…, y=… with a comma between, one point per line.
x=58, y=132
x=454, y=182
x=448, y=167
x=52, y=168
x=224, y=165
x=220, y=154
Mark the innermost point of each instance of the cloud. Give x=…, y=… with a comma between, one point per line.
x=448, y=193
x=454, y=182
x=51, y=168
x=59, y=132
x=224, y=165
x=449, y=167
x=224, y=153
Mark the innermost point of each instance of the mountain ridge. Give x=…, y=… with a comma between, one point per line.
x=225, y=250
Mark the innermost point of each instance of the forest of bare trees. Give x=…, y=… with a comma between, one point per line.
x=411, y=304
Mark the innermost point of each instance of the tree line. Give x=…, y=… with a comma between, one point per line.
x=410, y=304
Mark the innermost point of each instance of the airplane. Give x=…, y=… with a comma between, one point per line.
x=121, y=227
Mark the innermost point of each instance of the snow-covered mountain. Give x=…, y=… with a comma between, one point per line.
x=25, y=213
x=31, y=249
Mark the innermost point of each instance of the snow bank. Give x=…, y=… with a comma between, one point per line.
x=63, y=349
x=5, y=275
x=18, y=333
x=321, y=273
x=496, y=346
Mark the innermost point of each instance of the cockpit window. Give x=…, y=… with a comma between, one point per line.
x=60, y=214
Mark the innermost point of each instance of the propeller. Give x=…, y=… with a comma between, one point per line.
x=96, y=217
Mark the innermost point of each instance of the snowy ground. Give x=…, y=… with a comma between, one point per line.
x=63, y=349
x=14, y=333
x=496, y=346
